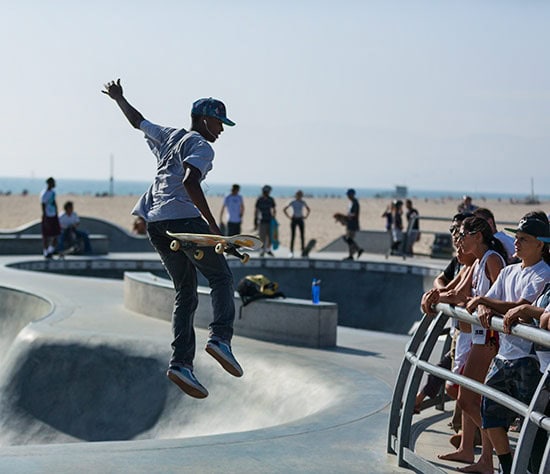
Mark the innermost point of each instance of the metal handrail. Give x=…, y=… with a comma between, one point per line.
x=415, y=364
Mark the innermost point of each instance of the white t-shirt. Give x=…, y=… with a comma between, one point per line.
x=298, y=206
x=167, y=198
x=47, y=197
x=66, y=220
x=515, y=283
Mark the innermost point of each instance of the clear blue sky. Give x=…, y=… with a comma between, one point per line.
x=443, y=95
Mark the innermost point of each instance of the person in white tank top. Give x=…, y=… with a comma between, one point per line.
x=476, y=238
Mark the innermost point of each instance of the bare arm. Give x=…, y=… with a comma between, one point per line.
x=114, y=91
x=191, y=181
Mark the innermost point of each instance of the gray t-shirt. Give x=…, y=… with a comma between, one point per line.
x=173, y=148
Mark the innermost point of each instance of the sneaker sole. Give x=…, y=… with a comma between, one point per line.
x=212, y=350
x=190, y=390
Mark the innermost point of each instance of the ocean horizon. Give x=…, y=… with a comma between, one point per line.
x=33, y=186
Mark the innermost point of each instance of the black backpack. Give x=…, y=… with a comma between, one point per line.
x=255, y=287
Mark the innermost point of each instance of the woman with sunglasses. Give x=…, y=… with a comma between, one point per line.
x=476, y=238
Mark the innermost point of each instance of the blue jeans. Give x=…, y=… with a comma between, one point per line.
x=182, y=268
x=72, y=236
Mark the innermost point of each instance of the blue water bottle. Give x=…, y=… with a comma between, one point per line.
x=316, y=291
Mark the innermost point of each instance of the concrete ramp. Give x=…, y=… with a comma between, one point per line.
x=17, y=309
x=62, y=381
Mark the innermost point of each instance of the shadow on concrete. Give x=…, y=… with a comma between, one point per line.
x=99, y=394
x=356, y=352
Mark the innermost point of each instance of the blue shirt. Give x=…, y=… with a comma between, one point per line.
x=174, y=149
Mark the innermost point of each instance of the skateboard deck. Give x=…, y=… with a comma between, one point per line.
x=341, y=218
x=230, y=244
x=308, y=248
x=274, y=234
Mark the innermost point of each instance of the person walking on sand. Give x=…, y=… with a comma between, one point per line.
x=352, y=225
x=300, y=212
x=50, y=223
x=175, y=202
x=234, y=204
x=413, y=227
x=264, y=213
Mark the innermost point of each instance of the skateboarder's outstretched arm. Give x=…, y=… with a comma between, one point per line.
x=114, y=91
x=192, y=184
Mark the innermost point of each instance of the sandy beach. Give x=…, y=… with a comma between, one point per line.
x=17, y=210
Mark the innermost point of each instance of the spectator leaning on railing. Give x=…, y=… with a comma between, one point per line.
x=515, y=369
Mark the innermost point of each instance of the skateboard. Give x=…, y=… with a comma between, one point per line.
x=341, y=218
x=230, y=245
x=308, y=248
x=274, y=233
x=70, y=251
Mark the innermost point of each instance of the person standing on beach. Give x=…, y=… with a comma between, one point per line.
x=397, y=227
x=175, y=202
x=264, y=213
x=352, y=225
x=413, y=227
x=466, y=205
x=297, y=219
x=50, y=222
x=234, y=204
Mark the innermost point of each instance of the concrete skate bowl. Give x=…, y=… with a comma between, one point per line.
x=379, y=296
x=17, y=309
x=72, y=385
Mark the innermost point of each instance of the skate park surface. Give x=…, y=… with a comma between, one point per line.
x=83, y=388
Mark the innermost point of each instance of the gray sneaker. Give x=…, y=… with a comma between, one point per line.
x=184, y=378
x=221, y=351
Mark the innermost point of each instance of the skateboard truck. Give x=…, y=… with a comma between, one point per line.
x=219, y=248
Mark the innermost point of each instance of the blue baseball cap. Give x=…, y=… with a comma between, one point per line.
x=211, y=108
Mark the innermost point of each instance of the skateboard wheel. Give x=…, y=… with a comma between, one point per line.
x=175, y=245
x=245, y=258
x=198, y=254
x=219, y=248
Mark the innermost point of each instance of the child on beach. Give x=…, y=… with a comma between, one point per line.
x=175, y=202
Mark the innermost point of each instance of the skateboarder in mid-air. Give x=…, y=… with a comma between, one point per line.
x=175, y=202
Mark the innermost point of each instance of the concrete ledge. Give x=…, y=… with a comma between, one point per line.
x=31, y=244
x=286, y=321
x=120, y=240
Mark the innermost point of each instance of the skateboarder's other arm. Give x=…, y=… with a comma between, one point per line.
x=221, y=212
x=285, y=211
x=192, y=184
x=114, y=91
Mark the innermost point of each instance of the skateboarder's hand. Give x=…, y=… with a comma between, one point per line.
x=113, y=89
